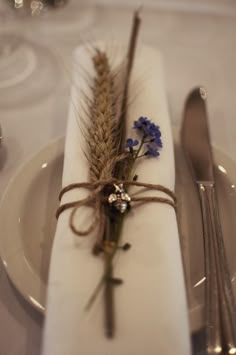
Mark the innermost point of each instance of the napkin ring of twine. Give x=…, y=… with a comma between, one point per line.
x=97, y=200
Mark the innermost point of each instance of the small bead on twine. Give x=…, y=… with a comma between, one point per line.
x=96, y=200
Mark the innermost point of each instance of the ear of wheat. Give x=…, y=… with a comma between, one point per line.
x=105, y=137
x=102, y=132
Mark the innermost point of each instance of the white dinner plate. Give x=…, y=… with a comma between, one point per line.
x=27, y=224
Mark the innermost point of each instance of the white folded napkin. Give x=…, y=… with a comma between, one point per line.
x=150, y=307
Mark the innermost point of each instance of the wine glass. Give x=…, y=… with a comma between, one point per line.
x=27, y=59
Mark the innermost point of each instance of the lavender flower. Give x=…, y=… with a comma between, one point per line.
x=149, y=129
x=157, y=140
x=130, y=143
x=151, y=139
x=152, y=150
x=141, y=123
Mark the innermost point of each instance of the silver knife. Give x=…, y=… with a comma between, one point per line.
x=220, y=303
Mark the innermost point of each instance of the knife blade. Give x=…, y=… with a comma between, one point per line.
x=219, y=299
x=195, y=136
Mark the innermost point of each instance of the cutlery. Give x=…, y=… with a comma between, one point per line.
x=219, y=298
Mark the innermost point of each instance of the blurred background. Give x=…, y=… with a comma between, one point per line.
x=37, y=40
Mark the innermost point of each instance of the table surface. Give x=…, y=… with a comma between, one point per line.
x=198, y=47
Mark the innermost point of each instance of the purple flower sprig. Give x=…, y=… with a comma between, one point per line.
x=130, y=143
x=150, y=143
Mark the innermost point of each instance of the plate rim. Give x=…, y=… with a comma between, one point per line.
x=58, y=146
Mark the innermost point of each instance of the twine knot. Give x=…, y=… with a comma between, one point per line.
x=100, y=196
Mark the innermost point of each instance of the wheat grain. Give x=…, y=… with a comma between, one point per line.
x=102, y=131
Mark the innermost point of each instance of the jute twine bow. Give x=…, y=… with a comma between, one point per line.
x=97, y=200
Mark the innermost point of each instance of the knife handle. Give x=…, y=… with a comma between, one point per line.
x=213, y=336
x=221, y=328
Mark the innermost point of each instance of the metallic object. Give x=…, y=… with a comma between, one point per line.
x=220, y=303
x=119, y=199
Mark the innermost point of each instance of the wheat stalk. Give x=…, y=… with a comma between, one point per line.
x=102, y=131
x=105, y=145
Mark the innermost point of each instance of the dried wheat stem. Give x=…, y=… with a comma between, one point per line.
x=102, y=132
x=130, y=60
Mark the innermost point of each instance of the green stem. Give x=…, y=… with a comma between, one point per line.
x=136, y=156
x=139, y=149
x=140, y=156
